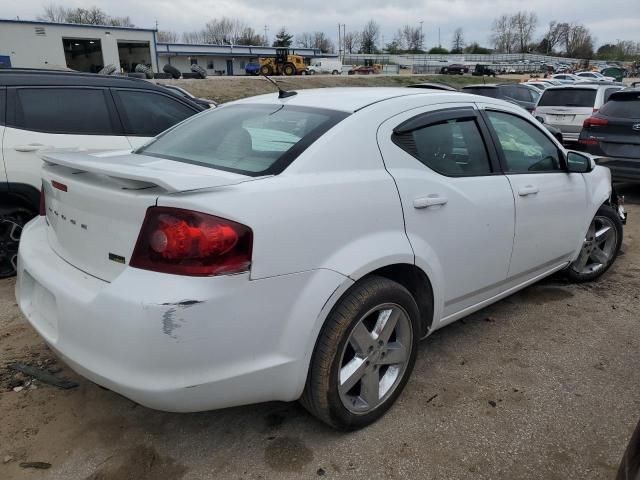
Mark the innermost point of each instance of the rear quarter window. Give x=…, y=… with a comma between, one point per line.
x=623, y=108
x=485, y=92
x=568, y=97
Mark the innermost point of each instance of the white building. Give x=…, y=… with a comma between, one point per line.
x=32, y=44
x=219, y=59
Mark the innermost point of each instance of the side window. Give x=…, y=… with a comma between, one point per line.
x=147, y=114
x=452, y=147
x=526, y=149
x=73, y=111
x=607, y=94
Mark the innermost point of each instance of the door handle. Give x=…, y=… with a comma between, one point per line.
x=429, y=201
x=32, y=147
x=528, y=190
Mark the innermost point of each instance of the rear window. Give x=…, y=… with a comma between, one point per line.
x=622, y=107
x=247, y=139
x=485, y=92
x=568, y=97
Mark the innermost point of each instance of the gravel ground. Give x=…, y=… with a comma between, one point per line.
x=543, y=384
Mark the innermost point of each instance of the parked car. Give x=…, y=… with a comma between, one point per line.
x=455, y=69
x=567, y=77
x=42, y=110
x=539, y=85
x=483, y=70
x=522, y=94
x=299, y=247
x=567, y=107
x=362, y=70
x=252, y=68
x=616, y=73
x=614, y=132
x=203, y=102
x=594, y=76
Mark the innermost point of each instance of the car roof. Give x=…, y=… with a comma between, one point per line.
x=582, y=86
x=346, y=99
x=25, y=76
x=433, y=85
x=482, y=85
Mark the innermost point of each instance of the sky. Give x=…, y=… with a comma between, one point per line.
x=608, y=20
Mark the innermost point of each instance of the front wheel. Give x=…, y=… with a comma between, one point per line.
x=364, y=354
x=599, y=248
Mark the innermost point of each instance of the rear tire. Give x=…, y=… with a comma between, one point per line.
x=600, y=248
x=289, y=69
x=364, y=354
x=11, y=225
x=335, y=72
x=171, y=70
x=266, y=70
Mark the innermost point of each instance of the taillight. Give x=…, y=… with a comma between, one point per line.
x=183, y=242
x=594, y=122
x=588, y=141
x=43, y=205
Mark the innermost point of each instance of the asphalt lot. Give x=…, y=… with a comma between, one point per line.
x=543, y=384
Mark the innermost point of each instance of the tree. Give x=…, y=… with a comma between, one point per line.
x=503, y=34
x=369, y=37
x=579, y=42
x=438, y=51
x=351, y=42
x=525, y=24
x=393, y=48
x=410, y=39
x=556, y=35
x=249, y=36
x=54, y=13
x=475, y=48
x=315, y=40
x=85, y=16
x=283, y=38
x=457, y=44
x=166, y=36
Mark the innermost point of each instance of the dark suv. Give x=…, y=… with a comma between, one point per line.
x=614, y=132
x=43, y=110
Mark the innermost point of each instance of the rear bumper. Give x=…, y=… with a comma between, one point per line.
x=175, y=343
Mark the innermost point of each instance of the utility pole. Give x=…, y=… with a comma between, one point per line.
x=339, y=42
x=266, y=40
x=439, y=43
x=421, y=36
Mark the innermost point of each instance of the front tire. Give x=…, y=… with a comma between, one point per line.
x=364, y=354
x=600, y=246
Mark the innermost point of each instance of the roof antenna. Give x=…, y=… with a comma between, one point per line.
x=281, y=93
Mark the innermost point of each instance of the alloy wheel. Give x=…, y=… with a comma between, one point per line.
x=598, y=247
x=375, y=358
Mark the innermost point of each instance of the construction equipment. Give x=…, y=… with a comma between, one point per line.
x=284, y=63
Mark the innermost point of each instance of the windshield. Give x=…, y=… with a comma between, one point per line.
x=568, y=97
x=248, y=139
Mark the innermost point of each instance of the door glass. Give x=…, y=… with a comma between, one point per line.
x=147, y=114
x=74, y=111
x=525, y=148
x=453, y=148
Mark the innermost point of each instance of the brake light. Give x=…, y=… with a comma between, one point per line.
x=43, y=206
x=184, y=242
x=594, y=122
x=588, y=141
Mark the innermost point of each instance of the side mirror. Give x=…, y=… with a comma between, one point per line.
x=578, y=162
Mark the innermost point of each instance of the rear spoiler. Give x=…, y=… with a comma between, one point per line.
x=170, y=175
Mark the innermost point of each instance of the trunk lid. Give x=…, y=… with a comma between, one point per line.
x=95, y=204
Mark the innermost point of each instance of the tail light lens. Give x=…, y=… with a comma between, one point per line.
x=588, y=141
x=183, y=242
x=594, y=122
x=43, y=203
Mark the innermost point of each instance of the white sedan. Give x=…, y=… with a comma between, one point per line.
x=299, y=247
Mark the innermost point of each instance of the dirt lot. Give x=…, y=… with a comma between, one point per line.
x=541, y=385
x=224, y=89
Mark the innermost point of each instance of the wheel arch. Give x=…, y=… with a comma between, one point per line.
x=18, y=195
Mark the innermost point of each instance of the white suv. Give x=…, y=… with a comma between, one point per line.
x=45, y=110
x=567, y=107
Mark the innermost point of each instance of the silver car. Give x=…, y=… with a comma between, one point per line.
x=568, y=106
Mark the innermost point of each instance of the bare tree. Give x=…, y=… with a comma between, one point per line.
x=457, y=44
x=503, y=34
x=351, y=42
x=249, y=36
x=369, y=37
x=224, y=31
x=166, y=36
x=410, y=38
x=198, y=36
x=54, y=13
x=579, y=42
x=525, y=24
x=556, y=35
